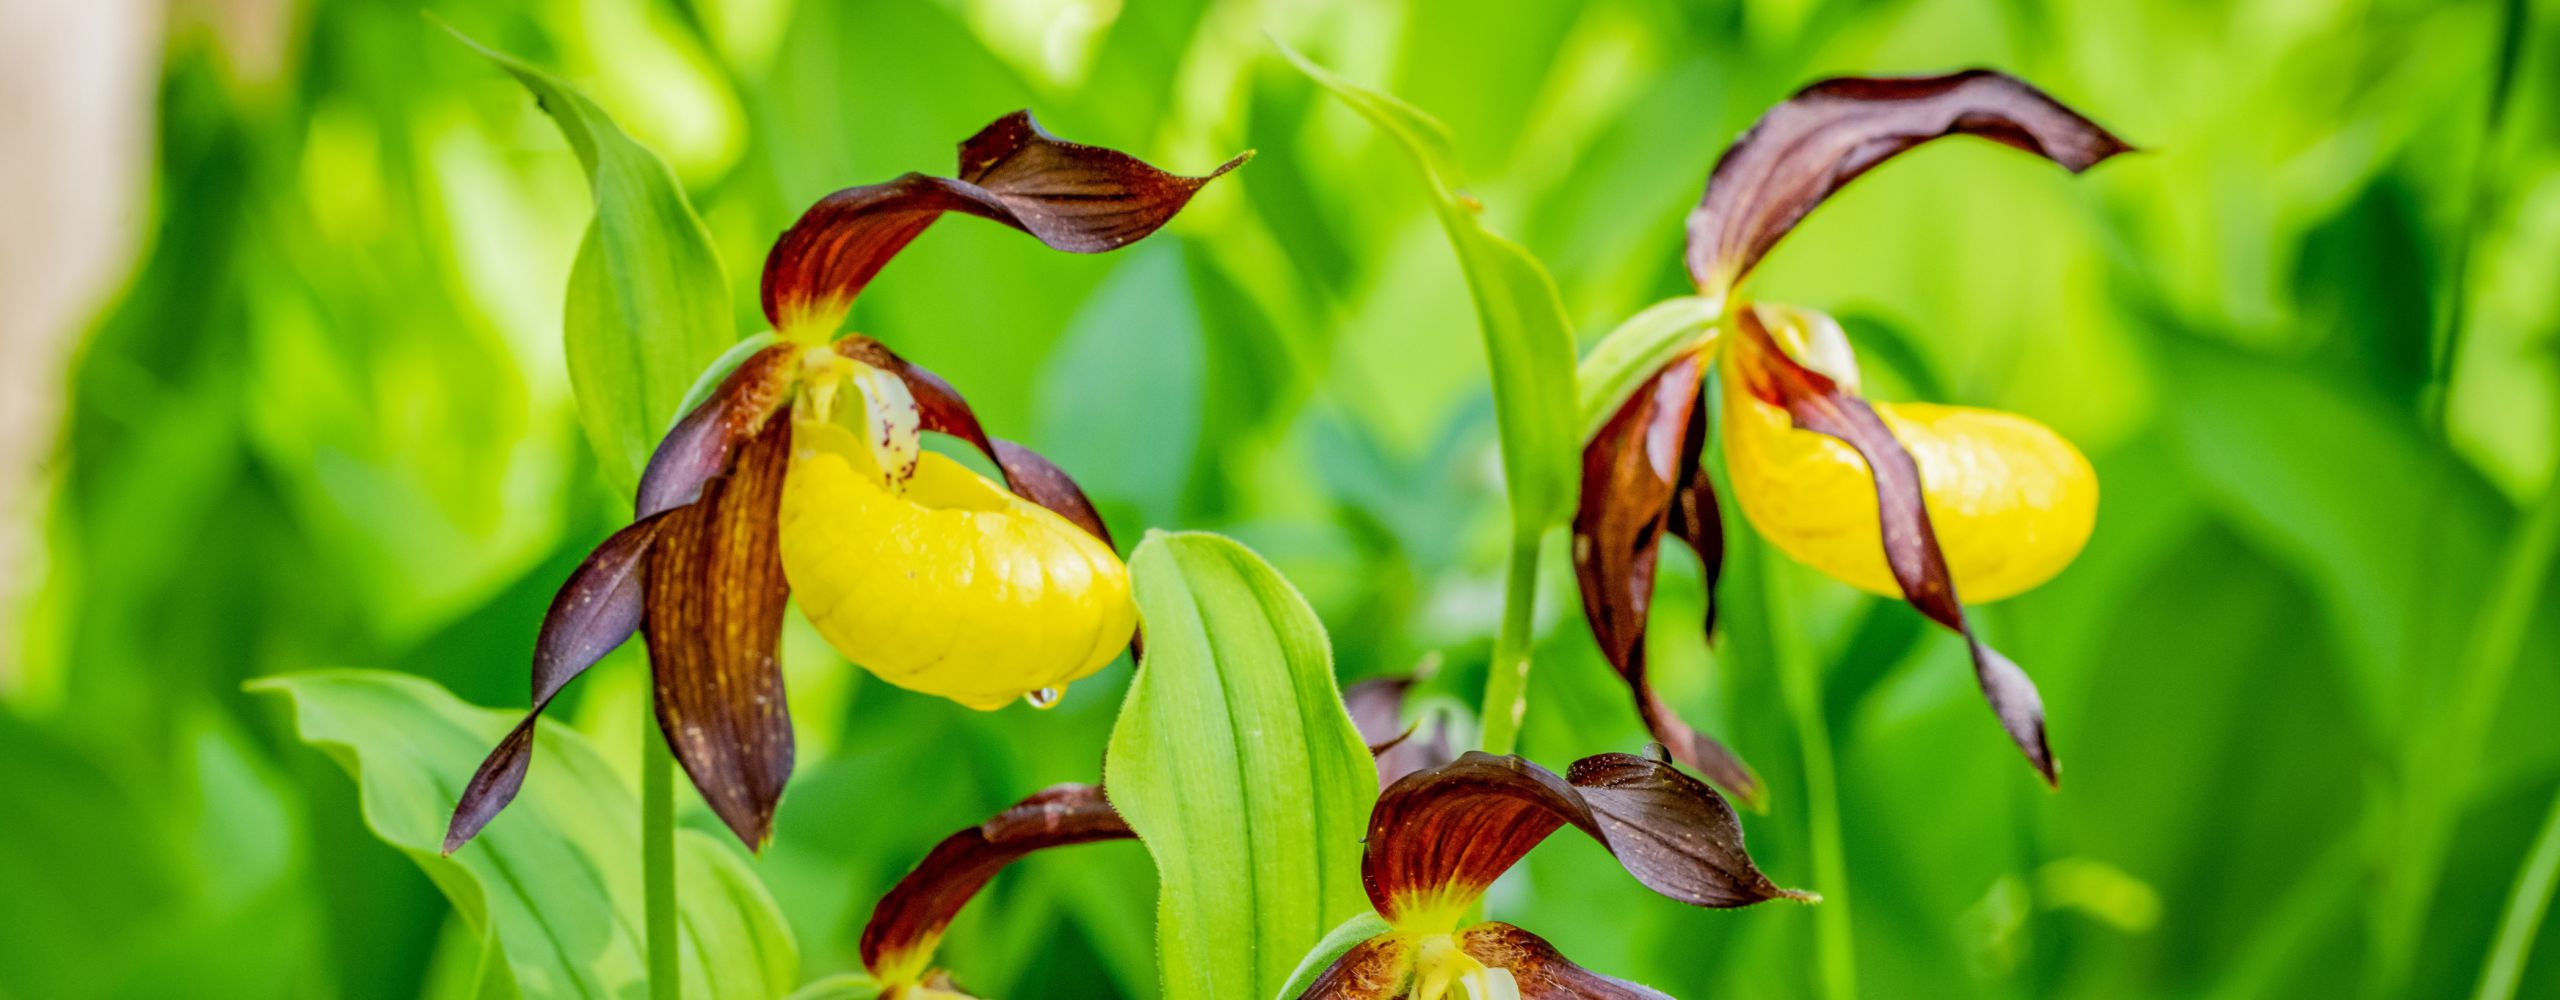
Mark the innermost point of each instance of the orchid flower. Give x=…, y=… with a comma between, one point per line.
x=1439, y=836
x=803, y=472
x=1914, y=500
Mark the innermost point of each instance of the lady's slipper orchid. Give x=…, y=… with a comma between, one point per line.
x=1438, y=837
x=803, y=471
x=1900, y=499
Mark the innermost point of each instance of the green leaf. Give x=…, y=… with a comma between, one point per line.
x=1528, y=341
x=842, y=986
x=554, y=884
x=1236, y=764
x=648, y=304
x=1340, y=939
x=1637, y=350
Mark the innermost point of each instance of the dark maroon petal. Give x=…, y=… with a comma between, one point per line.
x=1077, y=198
x=1540, y=972
x=595, y=612
x=715, y=594
x=701, y=444
x=1376, y=706
x=1910, y=543
x=1671, y=831
x=1035, y=478
x=1438, y=836
x=1829, y=133
x=1641, y=473
x=909, y=920
x=1380, y=968
x=941, y=408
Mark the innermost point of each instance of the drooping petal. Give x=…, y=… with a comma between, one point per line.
x=1641, y=472
x=956, y=587
x=1380, y=968
x=1829, y=133
x=715, y=594
x=595, y=611
x=898, y=943
x=1077, y=198
x=1438, y=837
x=1797, y=486
x=702, y=443
x=1539, y=972
x=1376, y=706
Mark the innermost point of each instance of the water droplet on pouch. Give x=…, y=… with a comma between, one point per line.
x=1044, y=698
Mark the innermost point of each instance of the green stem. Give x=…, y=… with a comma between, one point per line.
x=1506, y=683
x=2526, y=904
x=1801, y=677
x=658, y=860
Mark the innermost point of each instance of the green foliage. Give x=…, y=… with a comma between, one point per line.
x=1236, y=765
x=648, y=303
x=554, y=883
x=1340, y=939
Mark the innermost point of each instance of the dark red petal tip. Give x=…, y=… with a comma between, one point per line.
x=1070, y=196
x=1910, y=542
x=715, y=594
x=1829, y=133
x=911, y=917
x=703, y=441
x=1540, y=971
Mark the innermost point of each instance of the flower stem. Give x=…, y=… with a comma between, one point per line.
x=1506, y=683
x=2526, y=905
x=658, y=858
x=1801, y=677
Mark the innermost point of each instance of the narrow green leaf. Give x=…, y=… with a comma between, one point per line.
x=1636, y=351
x=648, y=304
x=1527, y=339
x=842, y=986
x=1234, y=761
x=1340, y=939
x=554, y=884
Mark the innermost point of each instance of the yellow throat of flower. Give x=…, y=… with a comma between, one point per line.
x=2012, y=501
x=943, y=582
x=1443, y=971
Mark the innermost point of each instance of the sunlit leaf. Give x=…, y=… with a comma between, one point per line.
x=1234, y=761
x=648, y=303
x=555, y=882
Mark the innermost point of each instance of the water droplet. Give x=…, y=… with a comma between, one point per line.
x=1044, y=698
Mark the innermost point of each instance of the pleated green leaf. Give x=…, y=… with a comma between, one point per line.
x=648, y=303
x=1528, y=341
x=1235, y=763
x=554, y=884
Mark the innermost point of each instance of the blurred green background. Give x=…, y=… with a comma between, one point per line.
x=306, y=407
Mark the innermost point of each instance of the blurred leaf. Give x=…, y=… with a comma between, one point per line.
x=1139, y=335
x=1234, y=761
x=1528, y=342
x=648, y=304
x=849, y=986
x=555, y=882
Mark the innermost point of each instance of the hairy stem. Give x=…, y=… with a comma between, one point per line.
x=1506, y=684
x=1801, y=677
x=658, y=858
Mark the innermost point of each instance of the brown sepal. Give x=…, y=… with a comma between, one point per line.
x=1439, y=836
x=1910, y=543
x=1540, y=971
x=1073, y=197
x=917, y=909
x=1380, y=968
x=715, y=594
x=1829, y=133
x=1640, y=474
x=595, y=611
x=702, y=443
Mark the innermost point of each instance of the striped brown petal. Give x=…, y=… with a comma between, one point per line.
x=1829, y=133
x=715, y=594
x=1073, y=197
x=1539, y=971
x=703, y=441
x=595, y=612
x=1438, y=837
x=898, y=942
x=1380, y=968
x=1910, y=544
x=1640, y=474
